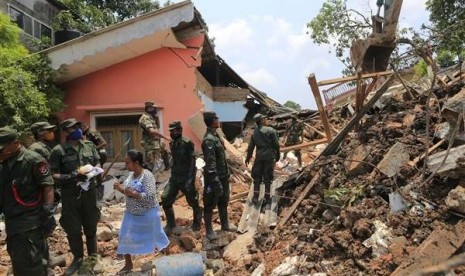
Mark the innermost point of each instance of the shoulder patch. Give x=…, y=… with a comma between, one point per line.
x=42, y=168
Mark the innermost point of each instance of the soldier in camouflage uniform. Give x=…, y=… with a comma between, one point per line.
x=43, y=134
x=216, y=177
x=151, y=143
x=26, y=196
x=266, y=140
x=80, y=209
x=293, y=136
x=182, y=178
x=96, y=137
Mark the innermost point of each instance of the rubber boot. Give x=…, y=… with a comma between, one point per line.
x=256, y=193
x=225, y=225
x=56, y=260
x=91, y=243
x=74, y=266
x=170, y=220
x=197, y=218
x=210, y=234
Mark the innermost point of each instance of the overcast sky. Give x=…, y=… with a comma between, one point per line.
x=265, y=42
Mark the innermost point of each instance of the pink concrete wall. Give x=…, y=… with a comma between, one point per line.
x=160, y=76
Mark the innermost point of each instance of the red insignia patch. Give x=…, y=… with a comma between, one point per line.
x=43, y=168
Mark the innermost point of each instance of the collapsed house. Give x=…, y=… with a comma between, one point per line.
x=164, y=56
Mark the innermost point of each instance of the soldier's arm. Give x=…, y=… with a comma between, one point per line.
x=250, y=150
x=98, y=137
x=208, y=149
x=43, y=177
x=156, y=134
x=55, y=166
x=191, y=152
x=275, y=143
x=96, y=155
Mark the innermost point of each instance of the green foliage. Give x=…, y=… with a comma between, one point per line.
x=90, y=15
x=420, y=68
x=337, y=26
x=343, y=196
x=448, y=18
x=293, y=105
x=445, y=58
x=27, y=89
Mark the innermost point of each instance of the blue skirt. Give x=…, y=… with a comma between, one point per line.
x=142, y=234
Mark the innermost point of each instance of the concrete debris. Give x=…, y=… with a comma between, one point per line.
x=454, y=165
x=456, y=199
x=380, y=240
x=395, y=158
x=290, y=266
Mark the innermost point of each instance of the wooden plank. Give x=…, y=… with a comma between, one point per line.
x=271, y=215
x=255, y=211
x=320, y=105
x=294, y=206
x=242, y=227
x=437, y=248
x=352, y=78
x=304, y=145
x=414, y=162
x=334, y=144
x=314, y=129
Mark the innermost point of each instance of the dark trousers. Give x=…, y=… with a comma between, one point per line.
x=210, y=201
x=80, y=211
x=28, y=252
x=172, y=189
x=263, y=171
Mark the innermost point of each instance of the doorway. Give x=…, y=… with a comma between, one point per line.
x=117, y=130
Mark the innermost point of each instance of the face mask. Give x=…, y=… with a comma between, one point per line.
x=175, y=135
x=75, y=135
x=12, y=151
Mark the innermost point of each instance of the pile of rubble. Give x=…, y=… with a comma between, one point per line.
x=375, y=207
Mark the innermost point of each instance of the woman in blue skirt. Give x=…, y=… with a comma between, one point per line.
x=141, y=231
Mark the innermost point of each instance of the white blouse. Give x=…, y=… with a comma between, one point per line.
x=146, y=186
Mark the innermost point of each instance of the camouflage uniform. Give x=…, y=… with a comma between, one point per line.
x=294, y=137
x=97, y=139
x=266, y=140
x=80, y=210
x=216, y=177
x=41, y=148
x=150, y=145
x=22, y=178
x=182, y=179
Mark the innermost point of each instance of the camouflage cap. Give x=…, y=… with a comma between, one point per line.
x=258, y=117
x=7, y=135
x=208, y=115
x=149, y=104
x=175, y=125
x=39, y=126
x=69, y=123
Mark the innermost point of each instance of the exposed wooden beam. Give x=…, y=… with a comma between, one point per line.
x=294, y=206
x=334, y=145
x=352, y=78
x=319, y=103
x=304, y=145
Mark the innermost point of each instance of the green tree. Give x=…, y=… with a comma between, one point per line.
x=90, y=15
x=293, y=105
x=448, y=24
x=27, y=89
x=337, y=25
x=420, y=68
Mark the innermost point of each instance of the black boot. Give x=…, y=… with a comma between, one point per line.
x=225, y=225
x=256, y=192
x=197, y=218
x=91, y=243
x=170, y=220
x=56, y=260
x=208, y=215
x=74, y=266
